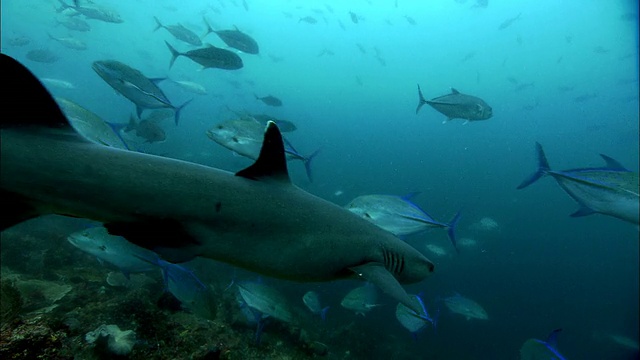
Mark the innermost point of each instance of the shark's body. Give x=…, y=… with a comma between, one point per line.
x=255, y=219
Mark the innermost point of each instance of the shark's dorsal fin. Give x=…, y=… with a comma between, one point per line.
x=454, y=91
x=271, y=163
x=20, y=85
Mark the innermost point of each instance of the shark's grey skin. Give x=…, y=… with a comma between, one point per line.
x=256, y=219
x=457, y=106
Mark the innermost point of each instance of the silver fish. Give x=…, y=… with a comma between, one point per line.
x=179, y=32
x=363, y=299
x=466, y=307
x=610, y=190
x=457, y=106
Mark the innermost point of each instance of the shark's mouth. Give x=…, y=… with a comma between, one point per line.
x=394, y=263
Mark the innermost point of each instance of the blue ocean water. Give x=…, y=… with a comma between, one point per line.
x=539, y=269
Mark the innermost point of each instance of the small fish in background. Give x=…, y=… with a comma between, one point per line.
x=457, y=106
x=235, y=39
x=190, y=86
x=361, y=300
x=92, y=12
x=399, y=215
x=115, y=250
x=210, y=57
x=534, y=349
x=600, y=50
x=179, y=32
x=324, y=52
x=470, y=55
x=505, y=24
x=44, y=56
x=354, y=17
x=75, y=24
x=609, y=190
x=19, y=41
x=466, y=307
x=69, y=42
x=362, y=49
x=523, y=86
x=585, y=97
x=308, y=20
x=410, y=20
x=57, y=83
x=147, y=128
x=267, y=300
x=245, y=5
x=312, y=300
x=412, y=321
x=269, y=100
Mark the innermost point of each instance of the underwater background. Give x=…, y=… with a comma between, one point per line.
x=562, y=73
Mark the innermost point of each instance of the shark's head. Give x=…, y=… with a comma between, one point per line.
x=405, y=263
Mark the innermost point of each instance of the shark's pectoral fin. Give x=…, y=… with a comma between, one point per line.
x=379, y=276
x=272, y=161
x=166, y=237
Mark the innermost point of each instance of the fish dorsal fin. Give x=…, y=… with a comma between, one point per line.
x=612, y=164
x=454, y=91
x=20, y=85
x=271, y=163
x=552, y=339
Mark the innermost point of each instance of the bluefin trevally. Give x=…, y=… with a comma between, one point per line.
x=115, y=250
x=466, y=307
x=399, y=215
x=457, y=106
x=534, y=349
x=266, y=299
x=412, y=321
x=132, y=84
x=182, y=210
x=610, y=190
x=209, y=57
x=312, y=300
x=363, y=299
x=244, y=137
x=269, y=100
x=90, y=125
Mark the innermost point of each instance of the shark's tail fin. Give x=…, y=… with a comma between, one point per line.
x=451, y=228
x=421, y=99
x=543, y=168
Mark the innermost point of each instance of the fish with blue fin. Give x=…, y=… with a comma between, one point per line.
x=399, y=215
x=312, y=301
x=412, y=321
x=609, y=190
x=535, y=349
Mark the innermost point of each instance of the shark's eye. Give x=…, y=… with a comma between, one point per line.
x=220, y=127
x=235, y=139
x=103, y=248
x=367, y=215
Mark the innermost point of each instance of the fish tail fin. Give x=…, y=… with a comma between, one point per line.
x=543, y=168
x=63, y=6
x=451, y=230
x=178, y=109
x=552, y=339
x=421, y=99
x=126, y=127
x=158, y=24
x=307, y=164
x=116, y=130
x=323, y=313
x=209, y=28
x=174, y=54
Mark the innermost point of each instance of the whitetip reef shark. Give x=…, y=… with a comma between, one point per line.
x=255, y=219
